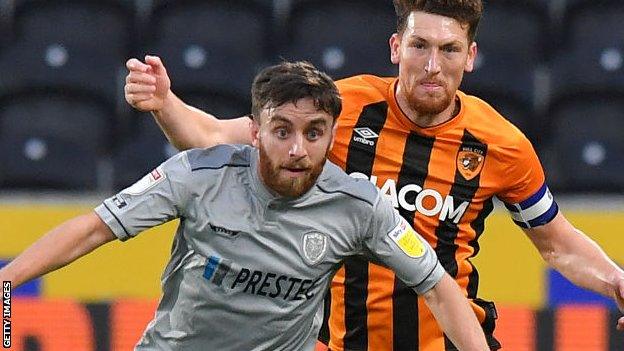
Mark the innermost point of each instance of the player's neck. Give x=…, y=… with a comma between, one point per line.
x=427, y=120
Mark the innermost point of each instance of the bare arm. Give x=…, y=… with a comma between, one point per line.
x=148, y=89
x=59, y=247
x=453, y=313
x=578, y=258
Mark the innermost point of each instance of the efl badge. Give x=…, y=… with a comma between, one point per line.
x=154, y=177
x=407, y=239
x=314, y=247
x=470, y=162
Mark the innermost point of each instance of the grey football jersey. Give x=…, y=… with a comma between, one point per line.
x=249, y=269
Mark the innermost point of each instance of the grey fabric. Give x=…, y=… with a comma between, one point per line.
x=249, y=269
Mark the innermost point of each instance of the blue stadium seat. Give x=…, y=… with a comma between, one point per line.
x=146, y=147
x=80, y=44
x=510, y=50
x=591, y=58
x=53, y=140
x=224, y=106
x=5, y=20
x=215, y=45
x=588, y=145
x=342, y=38
x=267, y=4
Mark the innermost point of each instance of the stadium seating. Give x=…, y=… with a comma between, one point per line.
x=72, y=44
x=510, y=50
x=146, y=147
x=216, y=45
x=224, y=106
x=53, y=140
x=4, y=24
x=143, y=150
x=342, y=37
x=510, y=53
x=588, y=144
x=592, y=55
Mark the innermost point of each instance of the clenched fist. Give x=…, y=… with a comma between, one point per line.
x=147, y=84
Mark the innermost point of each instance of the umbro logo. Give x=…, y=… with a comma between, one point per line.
x=364, y=136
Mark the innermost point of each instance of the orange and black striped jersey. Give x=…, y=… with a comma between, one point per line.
x=442, y=179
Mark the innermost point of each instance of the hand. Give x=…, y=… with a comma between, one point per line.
x=147, y=84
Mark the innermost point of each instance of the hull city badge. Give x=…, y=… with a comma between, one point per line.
x=470, y=162
x=314, y=247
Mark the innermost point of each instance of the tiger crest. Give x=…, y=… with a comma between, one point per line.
x=470, y=162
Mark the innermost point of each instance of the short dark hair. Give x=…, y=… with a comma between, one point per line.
x=291, y=81
x=464, y=11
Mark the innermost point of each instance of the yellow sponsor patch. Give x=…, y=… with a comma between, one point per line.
x=407, y=239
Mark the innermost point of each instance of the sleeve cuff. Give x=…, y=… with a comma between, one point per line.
x=430, y=280
x=112, y=222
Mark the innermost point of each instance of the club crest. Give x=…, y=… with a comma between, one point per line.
x=314, y=247
x=470, y=162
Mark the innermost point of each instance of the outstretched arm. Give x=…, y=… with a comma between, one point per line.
x=59, y=247
x=580, y=259
x=453, y=313
x=148, y=89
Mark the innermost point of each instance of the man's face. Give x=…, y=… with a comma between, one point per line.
x=294, y=140
x=432, y=53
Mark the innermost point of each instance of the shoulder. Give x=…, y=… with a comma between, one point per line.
x=335, y=181
x=220, y=156
x=365, y=86
x=489, y=125
x=227, y=160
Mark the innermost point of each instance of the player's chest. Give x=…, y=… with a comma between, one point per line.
x=272, y=238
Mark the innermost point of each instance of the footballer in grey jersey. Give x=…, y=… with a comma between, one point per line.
x=249, y=269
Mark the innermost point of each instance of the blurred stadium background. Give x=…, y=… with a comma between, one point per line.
x=68, y=139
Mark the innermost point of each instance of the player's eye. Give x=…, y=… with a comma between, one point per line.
x=314, y=134
x=281, y=133
x=418, y=45
x=451, y=48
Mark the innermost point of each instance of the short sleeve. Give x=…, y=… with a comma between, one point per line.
x=394, y=242
x=527, y=198
x=158, y=197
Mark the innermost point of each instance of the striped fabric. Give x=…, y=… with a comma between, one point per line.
x=539, y=209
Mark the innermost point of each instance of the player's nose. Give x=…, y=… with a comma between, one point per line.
x=432, y=66
x=297, y=147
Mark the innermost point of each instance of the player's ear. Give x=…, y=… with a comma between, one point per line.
x=255, y=129
x=472, y=56
x=333, y=134
x=395, y=48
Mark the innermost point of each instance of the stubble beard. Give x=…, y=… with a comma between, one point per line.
x=290, y=187
x=429, y=104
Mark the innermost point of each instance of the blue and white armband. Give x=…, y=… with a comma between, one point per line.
x=539, y=209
